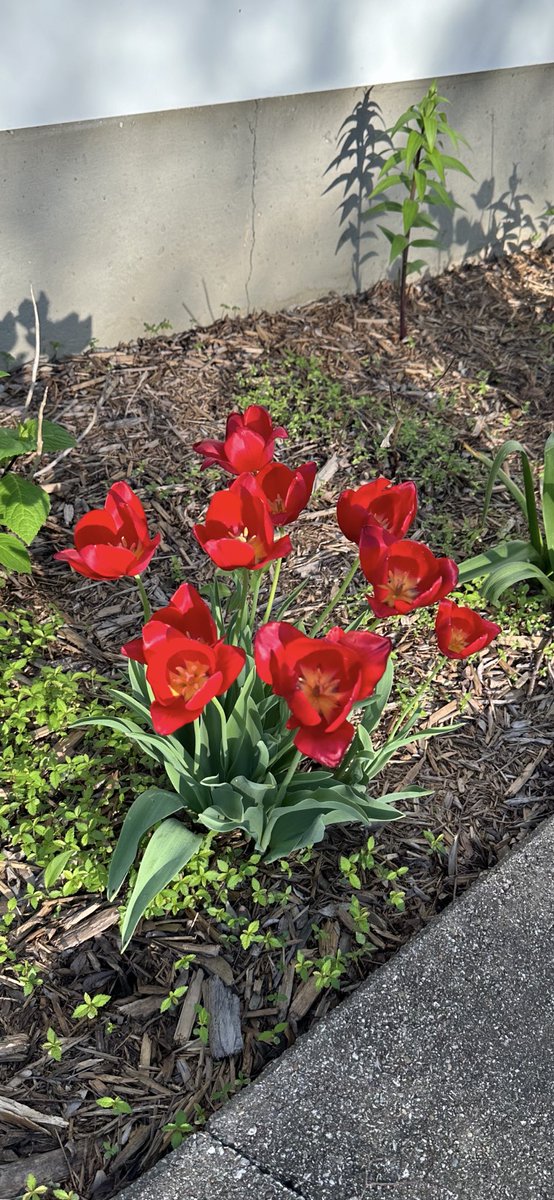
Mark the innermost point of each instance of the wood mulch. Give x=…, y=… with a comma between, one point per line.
x=135, y=411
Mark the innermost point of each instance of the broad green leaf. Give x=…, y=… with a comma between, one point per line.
x=410, y=209
x=454, y=164
x=54, y=436
x=170, y=848
x=148, y=809
x=430, y=127
x=414, y=143
x=382, y=185
x=436, y=160
x=505, y=552
x=417, y=264
x=420, y=179
x=397, y=246
x=11, y=444
x=409, y=115
x=506, y=576
x=438, y=194
x=13, y=555
x=548, y=498
x=433, y=242
x=24, y=506
x=56, y=867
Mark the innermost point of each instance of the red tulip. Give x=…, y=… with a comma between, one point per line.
x=461, y=631
x=187, y=613
x=185, y=674
x=392, y=506
x=405, y=575
x=320, y=679
x=238, y=530
x=286, y=492
x=113, y=541
x=249, y=442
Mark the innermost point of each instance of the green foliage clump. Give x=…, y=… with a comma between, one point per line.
x=53, y=803
x=300, y=394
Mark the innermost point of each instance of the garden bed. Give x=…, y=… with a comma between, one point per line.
x=476, y=368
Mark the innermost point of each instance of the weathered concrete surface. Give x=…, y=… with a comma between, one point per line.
x=436, y=1080
x=190, y=214
x=205, y=1170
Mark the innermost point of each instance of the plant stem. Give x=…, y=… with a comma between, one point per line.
x=143, y=598
x=333, y=603
x=256, y=582
x=405, y=253
x=273, y=590
x=290, y=772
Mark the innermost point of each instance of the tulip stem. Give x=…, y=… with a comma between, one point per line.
x=290, y=772
x=272, y=591
x=333, y=603
x=144, y=599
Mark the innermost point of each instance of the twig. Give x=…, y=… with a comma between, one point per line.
x=34, y=372
x=38, y=450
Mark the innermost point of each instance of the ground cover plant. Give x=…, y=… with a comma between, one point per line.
x=289, y=938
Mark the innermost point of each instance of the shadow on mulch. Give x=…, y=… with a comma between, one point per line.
x=477, y=367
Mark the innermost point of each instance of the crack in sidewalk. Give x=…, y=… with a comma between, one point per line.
x=286, y=1183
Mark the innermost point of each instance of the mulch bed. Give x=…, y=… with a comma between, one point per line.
x=135, y=411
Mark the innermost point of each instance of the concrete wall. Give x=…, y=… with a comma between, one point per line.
x=189, y=214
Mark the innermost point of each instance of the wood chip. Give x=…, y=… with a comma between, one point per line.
x=29, y=1118
x=224, y=1027
x=187, y=1015
x=51, y=1168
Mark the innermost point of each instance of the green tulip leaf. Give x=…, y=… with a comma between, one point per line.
x=170, y=848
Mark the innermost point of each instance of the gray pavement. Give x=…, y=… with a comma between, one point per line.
x=435, y=1081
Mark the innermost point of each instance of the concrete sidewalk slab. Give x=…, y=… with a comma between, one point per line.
x=435, y=1081
x=203, y=1169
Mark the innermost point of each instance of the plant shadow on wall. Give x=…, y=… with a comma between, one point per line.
x=358, y=160
x=503, y=224
x=68, y=335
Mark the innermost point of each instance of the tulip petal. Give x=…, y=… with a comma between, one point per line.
x=325, y=748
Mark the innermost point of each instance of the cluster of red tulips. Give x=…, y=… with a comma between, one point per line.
x=320, y=678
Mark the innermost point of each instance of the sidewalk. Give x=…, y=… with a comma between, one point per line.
x=435, y=1081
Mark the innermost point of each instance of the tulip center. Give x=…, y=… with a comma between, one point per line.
x=187, y=679
x=136, y=547
x=400, y=586
x=321, y=689
x=253, y=540
x=457, y=640
x=276, y=505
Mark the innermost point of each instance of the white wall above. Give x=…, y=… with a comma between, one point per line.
x=70, y=60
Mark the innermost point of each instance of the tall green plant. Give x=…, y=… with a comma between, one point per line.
x=419, y=168
x=513, y=562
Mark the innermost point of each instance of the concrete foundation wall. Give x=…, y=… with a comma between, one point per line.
x=190, y=214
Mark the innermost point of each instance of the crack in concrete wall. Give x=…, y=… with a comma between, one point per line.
x=254, y=168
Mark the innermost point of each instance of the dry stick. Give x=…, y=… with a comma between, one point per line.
x=34, y=371
x=405, y=252
x=38, y=450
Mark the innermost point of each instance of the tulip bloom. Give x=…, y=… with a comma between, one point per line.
x=187, y=613
x=286, y=492
x=185, y=674
x=238, y=530
x=405, y=575
x=321, y=679
x=461, y=631
x=113, y=541
x=392, y=506
x=249, y=442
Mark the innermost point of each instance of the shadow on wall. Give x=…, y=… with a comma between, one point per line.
x=359, y=161
x=69, y=335
x=503, y=220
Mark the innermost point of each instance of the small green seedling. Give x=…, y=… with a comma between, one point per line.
x=119, y=1107
x=90, y=1006
x=201, y=1029
x=172, y=999
x=52, y=1045
x=178, y=1128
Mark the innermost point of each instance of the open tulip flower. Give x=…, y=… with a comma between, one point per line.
x=113, y=541
x=238, y=530
x=461, y=631
x=184, y=674
x=186, y=612
x=321, y=680
x=405, y=575
x=228, y=701
x=391, y=506
x=249, y=442
x=286, y=492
